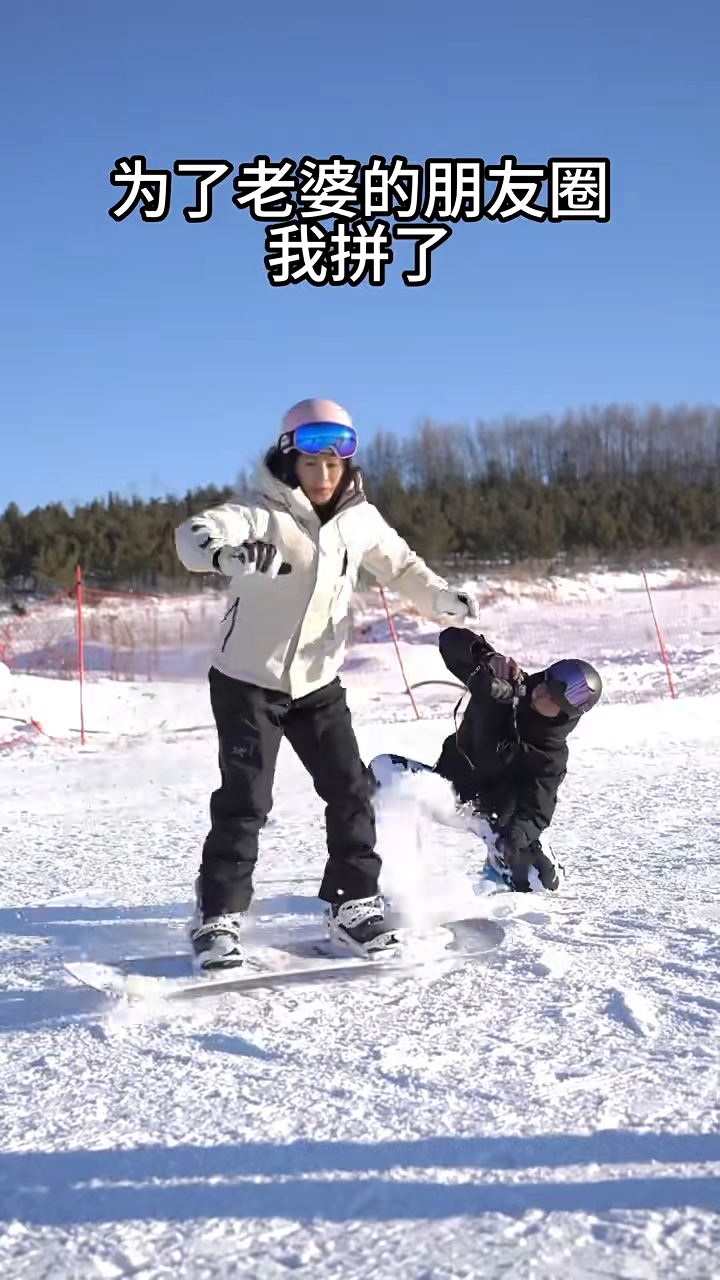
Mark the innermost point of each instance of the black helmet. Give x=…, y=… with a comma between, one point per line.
x=574, y=685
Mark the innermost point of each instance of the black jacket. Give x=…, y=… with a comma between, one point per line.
x=507, y=761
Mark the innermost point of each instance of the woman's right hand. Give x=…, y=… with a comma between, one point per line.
x=250, y=557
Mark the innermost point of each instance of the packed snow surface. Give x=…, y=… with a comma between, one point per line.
x=550, y=1110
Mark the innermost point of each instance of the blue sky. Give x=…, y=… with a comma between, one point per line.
x=147, y=359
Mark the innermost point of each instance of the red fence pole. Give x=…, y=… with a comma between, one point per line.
x=81, y=648
x=408, y=690
x=659, y=636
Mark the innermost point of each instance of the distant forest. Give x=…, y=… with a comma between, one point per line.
x=605, y=484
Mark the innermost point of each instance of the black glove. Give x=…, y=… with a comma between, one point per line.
x=250, y=557
x=481, y=651
x=485, y=683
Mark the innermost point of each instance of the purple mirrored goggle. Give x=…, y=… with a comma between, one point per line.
x=317, y=437
x=565, y=682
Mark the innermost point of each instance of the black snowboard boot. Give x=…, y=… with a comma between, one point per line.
x=549, y=870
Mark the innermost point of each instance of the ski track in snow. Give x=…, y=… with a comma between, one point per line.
x=551, y=1110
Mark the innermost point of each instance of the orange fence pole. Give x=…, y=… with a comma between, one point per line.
x=659, y=636
x=81, y=648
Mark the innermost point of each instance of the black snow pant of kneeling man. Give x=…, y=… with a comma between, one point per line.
x=251, y=723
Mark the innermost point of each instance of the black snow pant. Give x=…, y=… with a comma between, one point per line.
x=251, y=722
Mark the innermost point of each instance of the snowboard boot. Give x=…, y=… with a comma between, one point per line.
x=550, y=872
x=360, y=926
x=216, y=944
x=496, y=869
x=544, y=871
x=493, y=875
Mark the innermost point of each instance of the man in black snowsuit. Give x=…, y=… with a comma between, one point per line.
x=509, y=754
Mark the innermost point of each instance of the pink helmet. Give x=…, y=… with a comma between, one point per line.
x=315, y=411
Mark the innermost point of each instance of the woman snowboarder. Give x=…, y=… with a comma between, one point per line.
x=293, y=555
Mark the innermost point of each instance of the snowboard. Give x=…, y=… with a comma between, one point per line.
x=309, y=961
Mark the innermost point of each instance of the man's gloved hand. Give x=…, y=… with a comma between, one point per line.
x=495, y=676
x=504, y=668
x=457, y=604
x=250, y=557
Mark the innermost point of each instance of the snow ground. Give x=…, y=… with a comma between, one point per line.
x=552, y=1110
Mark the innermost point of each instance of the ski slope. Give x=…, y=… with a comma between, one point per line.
x=553, y=1110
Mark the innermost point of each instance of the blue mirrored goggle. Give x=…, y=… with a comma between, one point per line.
x=567, y=686
x=317, y=437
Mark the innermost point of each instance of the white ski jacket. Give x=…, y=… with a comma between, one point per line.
x=289, y=633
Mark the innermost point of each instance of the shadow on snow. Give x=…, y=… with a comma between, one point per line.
x=56, y=1188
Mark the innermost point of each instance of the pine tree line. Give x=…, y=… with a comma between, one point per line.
x=120, y=543
x=605, y=482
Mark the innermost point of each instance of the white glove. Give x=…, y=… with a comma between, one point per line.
x=207, y=532
x=251, y=557
x=458, y=604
